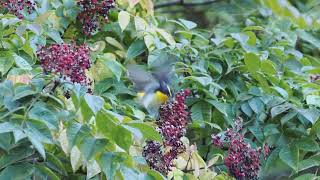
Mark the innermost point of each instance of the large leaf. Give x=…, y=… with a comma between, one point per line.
x=115, y=67
x=311, y=114
x=252, y=62
x=290, y=156
x=201, y=111
x=307, y=144
x=90, y=146
x=21, y=63
x=124, y=19
x=256, y=105
x=222, y=107
x=41, y=112
x=14, y=156
x=36, y=142
x=6, y=62
x=109, y=163
x=18, y=171
x=148, y=132
x=136, y=48
x=280, y=109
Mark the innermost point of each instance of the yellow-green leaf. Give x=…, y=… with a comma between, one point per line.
x=140, y=24
x=114, y=43
x=167, y=37
x=124, y=19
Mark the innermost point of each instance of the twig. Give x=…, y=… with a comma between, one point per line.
x=208, y=151
x=182, y=3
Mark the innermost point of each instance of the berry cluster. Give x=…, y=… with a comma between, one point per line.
x=17, y=6
x=93, y=12
x=153, y=154
x=242, y=160
x=69, y=61
x=172, y=124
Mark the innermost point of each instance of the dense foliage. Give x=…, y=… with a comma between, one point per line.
x=245, y=89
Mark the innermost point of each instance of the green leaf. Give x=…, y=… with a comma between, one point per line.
x=48, y=173
x=268, y=67
x=257, y=132
x=129, y=173
x=201, y=111
x=272, y=159
x=115, y=67
x=17, y=172
x=36, y=28
x=204, y=81
x=75, y=158
x=253, y=28
x=106, y=124
x=36, y=142
x=307, y=144
x=281, y=91
x=252, y=62
x=135, y=49
x=280, y=109
x=315, y=130
x=124, y=19
x=188, y=24
x=55, y=163
x=55, y=35
x=114, y=43
x=40, y=111
x=168, y=37
x=309, y=38
x=91, y=146
x=76, y=132
x=109, y=163
x=92, y=169
x=313, y=100
x=7, y=127
x=290, y=156
x=306, y=176
x=94, y=102
x=307, y=163
x=6, y=62
x=246, y=109
x=290, y=115
x=21, y=63
x=123, y=138
x=256, y=105
x=311, y=114
x=221, y=107
x=148, y=132
x=14, y=155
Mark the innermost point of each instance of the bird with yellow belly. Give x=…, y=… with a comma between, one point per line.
x=152, y=87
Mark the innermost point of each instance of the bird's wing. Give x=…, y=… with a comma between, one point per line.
x=163, y=66
x=142, y=80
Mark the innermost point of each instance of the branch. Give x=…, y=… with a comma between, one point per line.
x=182, y=3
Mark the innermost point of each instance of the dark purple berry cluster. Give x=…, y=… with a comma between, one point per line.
x=172, y=122
x=93, y=12
x=69, y=61
x=242, y=161
x=153, y=154
x=16, y=7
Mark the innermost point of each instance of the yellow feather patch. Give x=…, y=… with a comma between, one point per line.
x=140, y=94
x=161, y=97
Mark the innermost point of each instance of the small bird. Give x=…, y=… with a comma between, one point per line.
x=152, y=87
